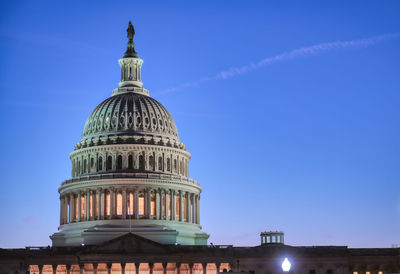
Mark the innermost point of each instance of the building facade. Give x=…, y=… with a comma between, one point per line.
x=130, y=206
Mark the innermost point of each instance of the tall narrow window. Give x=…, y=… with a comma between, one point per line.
x=108, y=209
x=119, y=204
x=153, y=205
x=175, y=166
x=141, y=162
x=91, y=165
x=163, y=205
x=184, y=209
x=177, y=206
x=151, y=162
x=130, y=203
x=119, y=162
x=130, y=161
x=141, y=204
x=79, y=167
x=76, y=209
x=100, y=164
x=82, y=206
x=169, y=206
x=168, y=164
x=91, y=206
x=84, y=166
x=109, y=163
x=160, y=163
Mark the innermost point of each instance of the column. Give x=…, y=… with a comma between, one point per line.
x=161, y=195
x=180, y=206
x=81, y=266
x=103, y=205
x=61, y=210
x=198, y=209
x=122, y=268
x=189, y=208
x=178, y=268
x=136, y=204
x=124, y=203
x=79, y=206
x=157, y=193
x=191, y=268
x=173, y=205
x=204, y=268
x=194, y=208
x=218, y=266
x=137, y=265
x=71, y=207
x=40, y=269
x=151, y=266
x=68, y=266
x=164, y=265
x=109, y=265
x=85, y=210
x=54, y=266
x=65, y=209
x=111, y=203
x=148, y=204
x=98, y=203
x=95, y=268
x=166, y=204
x=88, y=204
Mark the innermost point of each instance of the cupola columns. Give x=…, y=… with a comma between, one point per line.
x=131, y=64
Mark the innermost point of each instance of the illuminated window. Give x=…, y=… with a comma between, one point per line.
x=184, y=208
x=152, y=204
x=100, y=164
x=141, y=204
x=130, y=203
x=163, y=203
x=367, y=272
x=355, y=272
x=177, y=207
x=76, y=208
x=82, y=206
x=96, y=206
x=160, y=163
x=130, y=162
x=91, y=206
x=119, y=162
x=108, y=209
x=169, y=206
x=119, y=204
x=109, y=163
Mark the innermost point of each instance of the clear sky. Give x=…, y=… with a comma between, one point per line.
x=290, y=110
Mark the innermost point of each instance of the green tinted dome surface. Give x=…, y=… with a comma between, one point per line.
x=130, y=114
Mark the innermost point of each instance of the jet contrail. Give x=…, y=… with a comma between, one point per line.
x=301, y=52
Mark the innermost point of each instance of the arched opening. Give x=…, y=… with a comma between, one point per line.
x=130, y=162
x=119, y=162
x=168, y=164
x=119, y=204
x=109, y=163
x=100, y=164
x=160, y=163
x=141, y=162
x=151, y=162
x=91, y=164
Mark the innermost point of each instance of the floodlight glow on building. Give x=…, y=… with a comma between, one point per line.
x=286, y=265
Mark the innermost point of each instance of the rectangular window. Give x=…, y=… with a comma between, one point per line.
x=91, y=206
x=177, y=208
x=130, y=204
x=76, y=209
x=169, y=206
x=152, y=205
x=141, y=205
x=184, y=209
x=163, y=203
x=108, y=209
x=119, y=204
x=82, y=207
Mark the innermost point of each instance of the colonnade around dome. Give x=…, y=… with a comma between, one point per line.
x=129, y=203
x=130, y=158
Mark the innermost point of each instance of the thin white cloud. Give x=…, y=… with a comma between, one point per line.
x=301, y=52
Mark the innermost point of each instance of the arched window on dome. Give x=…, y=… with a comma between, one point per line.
x=130, y=161
x=119, y=162
x=92, y=164
x=160, y=163
x=79, y=167
x=141, y=162
x=109, y=163
x=84, y=166
x=119, y=204
x=175, y=166
x=151, y=162
x=100, y=164
x=168, y=164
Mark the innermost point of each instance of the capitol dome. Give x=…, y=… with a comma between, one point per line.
x=130, y=115
x=130, y=171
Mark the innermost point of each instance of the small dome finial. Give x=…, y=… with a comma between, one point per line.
x=130, y=51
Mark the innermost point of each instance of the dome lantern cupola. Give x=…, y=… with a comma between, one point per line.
x=131, y=65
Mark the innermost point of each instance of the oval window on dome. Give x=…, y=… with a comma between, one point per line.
x=146, y=120
x=154, y=121
x=138, y=120
x=160, y=122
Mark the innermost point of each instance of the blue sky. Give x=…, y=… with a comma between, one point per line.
x=307, y=144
